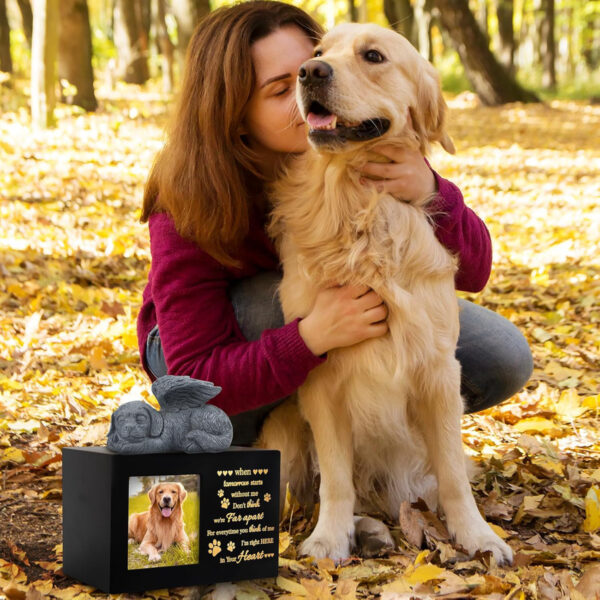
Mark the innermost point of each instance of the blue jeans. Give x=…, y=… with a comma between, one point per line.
x=495, y=358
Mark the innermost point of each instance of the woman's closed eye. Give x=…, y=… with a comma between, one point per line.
x=282, y=92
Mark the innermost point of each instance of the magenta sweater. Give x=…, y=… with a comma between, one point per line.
x=200, y=336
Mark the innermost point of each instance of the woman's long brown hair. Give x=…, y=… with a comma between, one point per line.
x=205, y=177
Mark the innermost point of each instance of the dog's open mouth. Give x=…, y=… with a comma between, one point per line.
x=326, y=125
x=166, y=511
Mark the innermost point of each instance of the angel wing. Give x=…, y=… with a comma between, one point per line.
x=176, y=392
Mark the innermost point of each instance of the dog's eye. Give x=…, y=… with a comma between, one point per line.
x=373, y=56
x=318, y=53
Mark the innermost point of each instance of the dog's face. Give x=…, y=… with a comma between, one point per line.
x=365, y=82
x=167, y=497
x=136, y=421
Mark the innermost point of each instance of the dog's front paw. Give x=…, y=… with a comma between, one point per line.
x=320, y=545
x=484, y=539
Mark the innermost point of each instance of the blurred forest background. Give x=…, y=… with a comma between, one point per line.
x=494, y=47
x=85, y=93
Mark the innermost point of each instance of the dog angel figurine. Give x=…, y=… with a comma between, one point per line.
x=185, y=422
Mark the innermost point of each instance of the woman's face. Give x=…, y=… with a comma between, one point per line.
x=273, y=123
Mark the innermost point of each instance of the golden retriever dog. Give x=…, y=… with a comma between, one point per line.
x=162, y=524
x=385, y=414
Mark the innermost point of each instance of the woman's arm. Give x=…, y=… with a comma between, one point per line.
x=200, y=335
x=460, y=230
x=409, y=177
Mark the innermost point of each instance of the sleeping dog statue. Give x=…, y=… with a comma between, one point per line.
x=185, y=422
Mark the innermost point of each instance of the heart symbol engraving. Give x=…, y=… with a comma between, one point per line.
x=218, y=472
x=230, y=472
x=254, y=471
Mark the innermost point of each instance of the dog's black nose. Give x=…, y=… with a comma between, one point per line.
x=315, y=72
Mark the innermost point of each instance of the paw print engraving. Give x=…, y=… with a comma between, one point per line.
x=225, y=503
x=267, y=497
x=220, y=493
x=231, y=546
x=214, y=547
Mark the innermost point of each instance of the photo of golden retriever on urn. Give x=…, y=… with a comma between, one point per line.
x=160, y=530
x=380, y=421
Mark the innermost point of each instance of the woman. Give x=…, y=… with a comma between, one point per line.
x=210, y=308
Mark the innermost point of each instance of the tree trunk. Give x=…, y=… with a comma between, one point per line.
x=422, y=24
x=352, y=12
x=26, y=18
x=490, y=80
x=166, y=47
x=506, y=33
x=401, y=17
x=5, y=57
x=75, y=53
x=131, y=40
x=363, y=11
x=591, y=41
x=547, y=47
x=44, y=49
x=482, y=18
x=187, y=14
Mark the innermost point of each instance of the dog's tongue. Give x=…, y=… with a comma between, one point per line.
x=321, y=121
x=166, y=511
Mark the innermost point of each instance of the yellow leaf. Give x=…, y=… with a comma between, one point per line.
x=424, y=573
x=317, y=589
x=592, y=402
x=548, y=464
x=290, y=586
x=326, y=564
x=10, y=384
x=499, y=531
x=13, y=455
x=569, y=404
x=97, y=360
x=7, y=148
x=80, y=366
x=592, y=510
x=16, y=290
x=397, y=586
x=538, y=424
x=28, y=426
x=44, y=586
x=346, y=589
x=284, y=541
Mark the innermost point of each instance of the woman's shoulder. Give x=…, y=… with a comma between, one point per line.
x=160, y=221
x=166, y=241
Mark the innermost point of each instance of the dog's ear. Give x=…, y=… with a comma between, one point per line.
x=152, y=494
x=182, y=492
x=156, y=421
x=113, y=437
x=429, y=113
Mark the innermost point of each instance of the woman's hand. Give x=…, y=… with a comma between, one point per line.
x=407, y=177
x=343, y=316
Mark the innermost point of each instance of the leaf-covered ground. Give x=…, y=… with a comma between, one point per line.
x=73, y=262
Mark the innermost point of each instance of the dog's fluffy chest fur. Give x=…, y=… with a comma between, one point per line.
x=329, y=229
